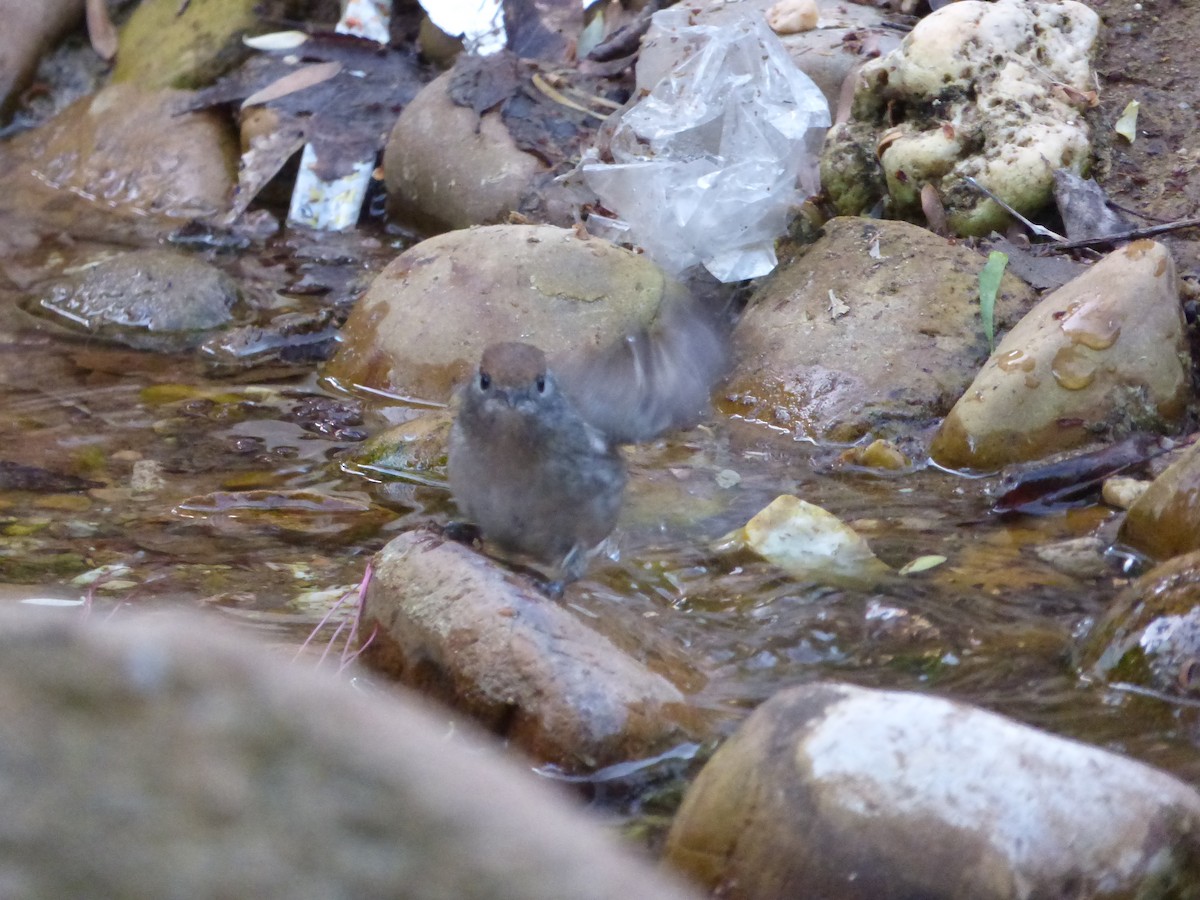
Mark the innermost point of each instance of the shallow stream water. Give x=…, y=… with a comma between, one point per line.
x=229, y=493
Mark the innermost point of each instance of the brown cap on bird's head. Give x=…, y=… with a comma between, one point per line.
x=513, y=363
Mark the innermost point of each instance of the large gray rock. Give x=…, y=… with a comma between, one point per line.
x=167, y=760
x=454, y=624
x=844, y=793
x=873, y=328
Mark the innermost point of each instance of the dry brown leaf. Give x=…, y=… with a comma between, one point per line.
x=935, y=212
x=299, y=80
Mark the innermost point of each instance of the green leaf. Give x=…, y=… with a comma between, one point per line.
x=989, y=285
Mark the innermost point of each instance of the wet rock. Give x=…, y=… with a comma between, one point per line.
x=426, y=318
x=417, y=448
x=30, y=29
x=994, y=91
x=119, y=163
x=1165, y=520
x=1150, y=634
x=870, y=330
x=232, y=774
x=844, y=793
x=1082, y=557
x=150, y=299
x=289, y=341
x=1103, y=355
x=846, y=34
x=168, y=44
x=456, y=625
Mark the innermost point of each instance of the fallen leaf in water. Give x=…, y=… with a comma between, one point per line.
x=16, y=477
x=922, y=564
x=1043, y=488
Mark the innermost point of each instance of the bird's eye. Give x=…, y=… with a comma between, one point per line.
x=541, y=384
x=485, y=381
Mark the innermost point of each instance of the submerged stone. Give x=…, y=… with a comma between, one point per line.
x=160, y=299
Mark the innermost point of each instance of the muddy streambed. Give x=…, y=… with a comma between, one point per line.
x=228, y=491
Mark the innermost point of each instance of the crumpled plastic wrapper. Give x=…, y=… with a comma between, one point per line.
x=704, y=164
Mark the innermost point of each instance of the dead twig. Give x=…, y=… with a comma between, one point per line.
x=1035, y=228
x=1132, y=235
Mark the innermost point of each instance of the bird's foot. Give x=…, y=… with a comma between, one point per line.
x=461, y=532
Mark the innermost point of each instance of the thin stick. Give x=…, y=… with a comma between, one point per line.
x=1131, y=235
x=1036, y=229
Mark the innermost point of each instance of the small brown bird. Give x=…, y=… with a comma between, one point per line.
x=534, y=452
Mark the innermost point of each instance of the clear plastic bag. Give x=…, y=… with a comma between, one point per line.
x=704, y=167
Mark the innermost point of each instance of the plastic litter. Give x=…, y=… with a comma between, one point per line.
x=333, y=204
x=704, y=167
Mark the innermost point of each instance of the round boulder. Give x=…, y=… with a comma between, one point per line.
x=426, y=318
x=869, y=330
x=845, y=793
x=446, y=166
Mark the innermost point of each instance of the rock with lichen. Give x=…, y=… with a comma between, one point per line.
x=990, y=91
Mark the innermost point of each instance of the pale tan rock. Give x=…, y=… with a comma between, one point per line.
x=426, y=318
x=1122, y=491
x=793, y=16
x=457, y=625
x=1105, y=353
x=991, y=91
x=845, y=793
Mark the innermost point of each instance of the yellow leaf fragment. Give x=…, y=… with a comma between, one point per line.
x=922, y=563
x=1126, y=126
